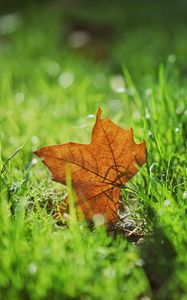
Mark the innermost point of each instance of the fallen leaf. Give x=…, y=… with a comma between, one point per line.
x=99, y=169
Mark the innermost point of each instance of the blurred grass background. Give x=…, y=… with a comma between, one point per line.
x=59, y=61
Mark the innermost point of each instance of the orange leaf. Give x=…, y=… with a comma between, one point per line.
x=98, y=169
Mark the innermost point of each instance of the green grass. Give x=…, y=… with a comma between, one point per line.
x=40, y=259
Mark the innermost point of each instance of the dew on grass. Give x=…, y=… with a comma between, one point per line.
x=179, y=109
x=90, y=116
x=120, y=89
x=177, y=130
x=34, y=140
x=171, y=58
x=32, y=268
x=147, y=115
x=98, y=220
x=166, y=202
x=53, y=68
x=140, y=262
x=117, y=84
x=184, y=196
x=9, y=23
x=79, y=38
x=34, y=161
x=19, y=98
x=66, y=79
x=148, y=92
x=25, y=199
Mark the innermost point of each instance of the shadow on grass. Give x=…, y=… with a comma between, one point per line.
x=159, y=256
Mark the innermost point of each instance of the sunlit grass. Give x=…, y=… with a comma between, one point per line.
x=48, y=95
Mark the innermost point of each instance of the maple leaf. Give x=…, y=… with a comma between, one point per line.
x=99, y=169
